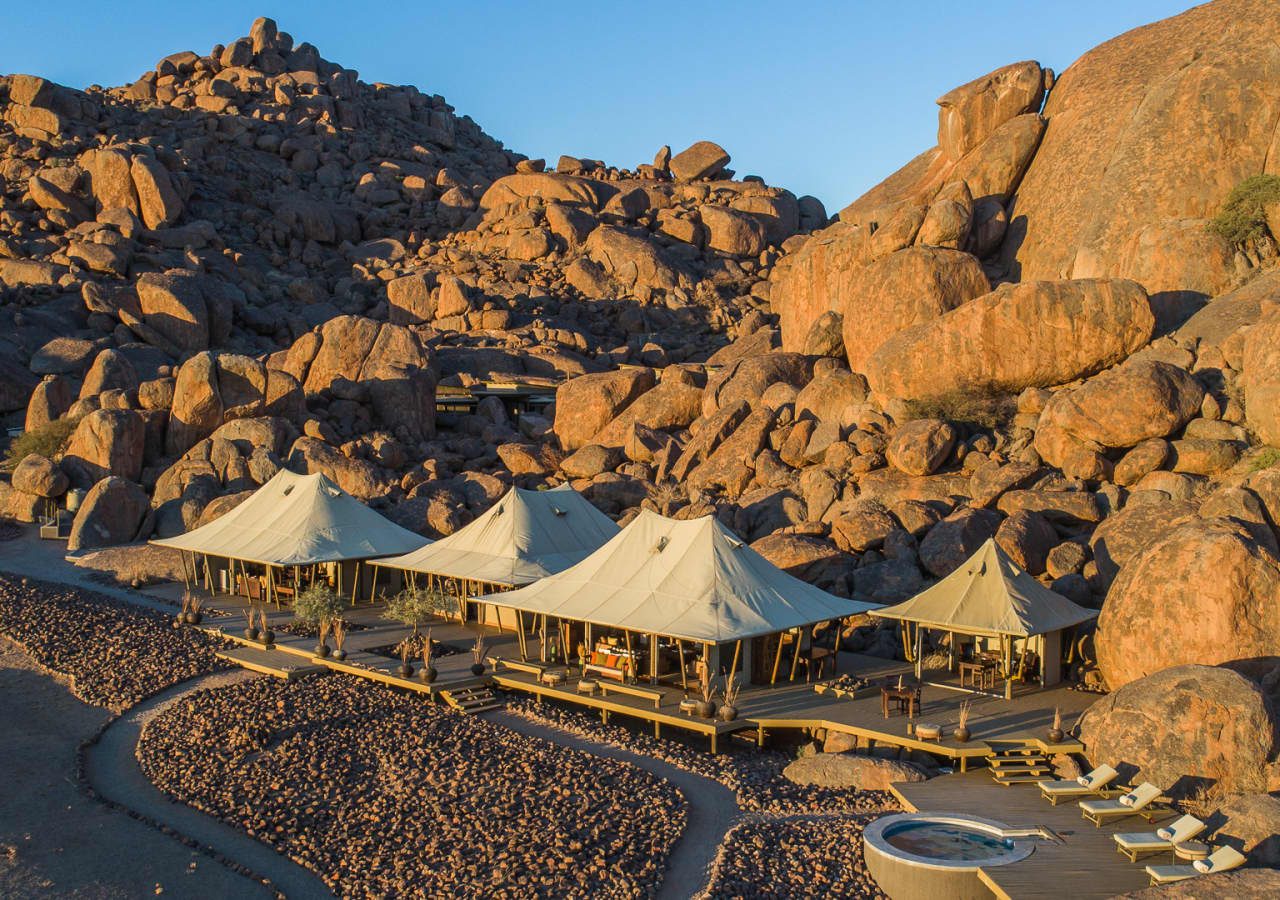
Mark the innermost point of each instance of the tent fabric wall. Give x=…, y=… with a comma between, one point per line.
x=693, y=580
x=525, y=536
x=298, y=520
x=989, y=594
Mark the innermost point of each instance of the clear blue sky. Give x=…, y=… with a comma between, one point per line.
x=824, y=98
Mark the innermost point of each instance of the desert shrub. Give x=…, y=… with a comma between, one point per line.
x=318, y=605
x=1243, y=217
x=1265, y=458
x=978, y=409
x=47, y=440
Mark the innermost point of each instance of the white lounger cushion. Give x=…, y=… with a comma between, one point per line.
x=1181, y=829
x=1099, y=777
x=1223, y=859
x=1142, y=840
x=1133, y=801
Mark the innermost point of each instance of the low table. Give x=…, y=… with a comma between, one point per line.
x=979, y=674
x=908, y=696
x=1190, y=851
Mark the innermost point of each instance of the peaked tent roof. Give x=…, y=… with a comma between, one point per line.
x=525, y=536
x=297, y=520
x=990, y=594
x=692, y=580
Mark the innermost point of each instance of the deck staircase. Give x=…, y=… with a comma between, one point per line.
x=471, y=699
x=1019, y=765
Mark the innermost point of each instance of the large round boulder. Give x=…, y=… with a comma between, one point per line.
x=113, y=512
x=1125, y=145
x=906, y=288
x=105, y=442
x=1205, y=593
x=846, y=771
x=1034, y=334
x=1261, y=377
x=748, y=379
x=1184, y=725
x=39, y=476
x=586, y=404
x=921, y=446
x=1119, y=408
x=957, y=537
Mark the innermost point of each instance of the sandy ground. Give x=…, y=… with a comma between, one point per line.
x=55, y=841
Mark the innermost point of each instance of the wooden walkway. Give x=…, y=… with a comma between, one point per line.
x=1084, y=866
x=793, y=706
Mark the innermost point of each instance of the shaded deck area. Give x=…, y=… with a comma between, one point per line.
x=1084, y=866
x=762, y=709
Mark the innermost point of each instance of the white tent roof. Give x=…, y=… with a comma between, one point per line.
x=525, y=536
x=692, y=580
x=297, y=520
x=990, y=594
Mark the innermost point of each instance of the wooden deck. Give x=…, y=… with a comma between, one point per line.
x=1084, y=866
x=794, y=706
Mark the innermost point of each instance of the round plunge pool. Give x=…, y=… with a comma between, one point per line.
x=925, y=856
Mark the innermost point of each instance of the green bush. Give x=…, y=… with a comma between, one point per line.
x=415, y=607
x=1243, y=216
x=318, y=605
x=980, y=409
x=1266, y=458
x=47, y=440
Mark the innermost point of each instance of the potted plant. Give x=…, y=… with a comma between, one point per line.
x=251, y=616
x=180, y=618
x=729, y=709
x=1056, y=734
x=265, y=634
x=477, y=656
x=339, y=639
x=706, y=707
x=406, y=648
x=962, y=734
x=318, y=606
x=194, y=615
x=429, y=672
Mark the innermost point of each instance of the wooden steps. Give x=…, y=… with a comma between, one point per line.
x=1019, y=765
x=471, y=700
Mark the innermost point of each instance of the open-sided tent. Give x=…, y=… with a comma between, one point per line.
x=297, y=520
x=524, y=536
x=989, y=595
x=688, y=580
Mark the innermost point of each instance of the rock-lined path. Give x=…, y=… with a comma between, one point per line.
x=712, y=807
x=111, y=768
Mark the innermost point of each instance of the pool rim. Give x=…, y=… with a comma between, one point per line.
x=873, y=837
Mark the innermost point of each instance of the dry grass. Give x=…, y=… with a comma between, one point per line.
x=977, y=408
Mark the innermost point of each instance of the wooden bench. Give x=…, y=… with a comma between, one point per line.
x=519, y=665
x=634, y=690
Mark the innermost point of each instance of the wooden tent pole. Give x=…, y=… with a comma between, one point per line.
x=737, y=651
x=271, y=587
x=186, y=582
x=653, y=658
x=631, y=660
x=795, y=656
x=684, y=674
x=777, y=659
x=524, y=656
x=355, y=582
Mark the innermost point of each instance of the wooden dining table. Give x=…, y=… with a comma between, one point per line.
x=908, y=696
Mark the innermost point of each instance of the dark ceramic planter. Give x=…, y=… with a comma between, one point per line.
x=477, y=669
x=251, y=633
x=429, y=674
x=405, y=670
x=322, y=650
x=705, y=710
x=1056, y=735
x=339, y=654
x=728, y=713
x=962, y=735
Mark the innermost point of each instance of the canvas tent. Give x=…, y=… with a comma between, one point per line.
x=989, y=595
x=294, y=521
x=524, y=536
x=688, y=580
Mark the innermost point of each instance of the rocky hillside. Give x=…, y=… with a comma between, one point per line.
x=251, y=258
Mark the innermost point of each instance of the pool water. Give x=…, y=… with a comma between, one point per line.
x=942, y=840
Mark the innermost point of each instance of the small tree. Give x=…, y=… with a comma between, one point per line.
x=414, y=607
x=1243, y=216
x=318, y=606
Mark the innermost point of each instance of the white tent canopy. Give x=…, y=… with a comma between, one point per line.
x=990, y=595
x=692, y=580
x=525, y=536
x=298, y=520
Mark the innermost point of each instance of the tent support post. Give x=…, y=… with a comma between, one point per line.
x=271, y=587
x=524, y=652
x=653, y=659
x=777, y=660
x=919, y=653
x=355, y=581
x=186, y=582
x=684, y=674
x=795, y=655
x=631, y=660
x=737, y=651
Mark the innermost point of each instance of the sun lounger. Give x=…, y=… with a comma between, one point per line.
x=1183, y=829
x=1224, y=859
x=1135, y=803
x=1093, y=783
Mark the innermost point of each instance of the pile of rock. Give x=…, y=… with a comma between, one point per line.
x=325, y=769
x=793, y=856
x=115, y=654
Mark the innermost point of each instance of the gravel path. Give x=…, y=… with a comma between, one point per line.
x=111, y=768
x=712, y=807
